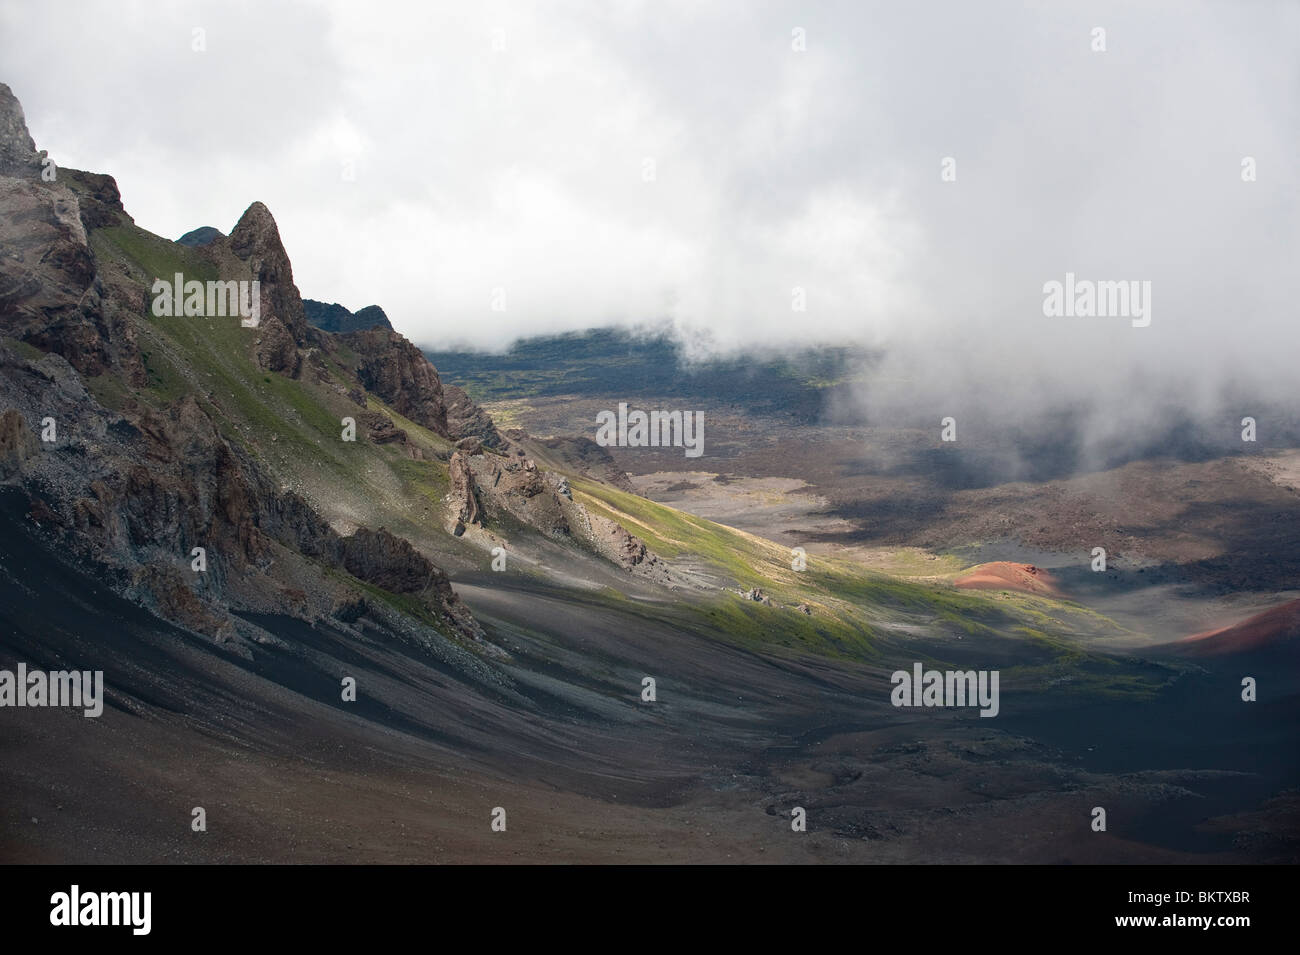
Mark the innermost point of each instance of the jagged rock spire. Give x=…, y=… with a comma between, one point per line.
x=256, y=240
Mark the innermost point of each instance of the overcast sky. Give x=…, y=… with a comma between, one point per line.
x=496, y=146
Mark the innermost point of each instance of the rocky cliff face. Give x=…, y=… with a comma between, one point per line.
x=486, y=487
x=18, y=155
x=166, y=509
x=135, y=495
x=50, y=293
x=464, y=495
x=256, y=241
x=398, y=373
x=467, y=420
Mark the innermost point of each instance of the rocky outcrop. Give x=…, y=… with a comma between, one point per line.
x=98, y=196
x=379, y=558
x=464, y=496
x=467, y=420
x=255, y=240
x=18, y=155
x=49, y=294
x=275, y=348
x=380, y=428
x=625, y=549
x=397, y=373
x=390, y=562
x=521, y=488
x=485, y=486
x=394, y=370
x=188, y=487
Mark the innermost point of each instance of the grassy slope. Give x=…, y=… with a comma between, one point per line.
x=862, y=614
x=292, y=426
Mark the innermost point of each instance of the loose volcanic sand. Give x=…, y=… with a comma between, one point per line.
x=1278, y=626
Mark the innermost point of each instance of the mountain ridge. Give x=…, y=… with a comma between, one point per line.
x=332, y=317
x=148, y=464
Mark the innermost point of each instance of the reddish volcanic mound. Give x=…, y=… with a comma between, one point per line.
x=1004, y=575
x=1270, y=628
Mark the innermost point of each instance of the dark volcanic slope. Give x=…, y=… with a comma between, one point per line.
x=286, y=771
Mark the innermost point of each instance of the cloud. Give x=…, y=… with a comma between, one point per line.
x=639, y=163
